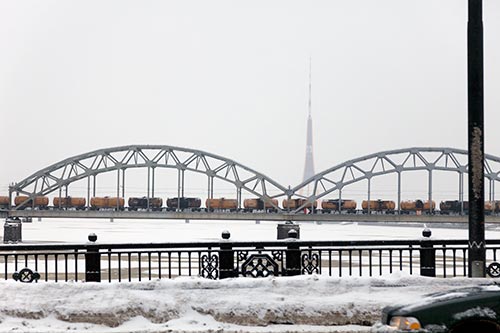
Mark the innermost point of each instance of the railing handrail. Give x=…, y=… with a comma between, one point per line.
x=236, y=244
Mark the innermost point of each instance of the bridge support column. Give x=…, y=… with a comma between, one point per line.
x=430, y=191
x=88, y=191
x=369, y=190
x=149, y=187
x=123, y=184
x=238, y=197
x=340, y=200
x=118, y=189
x=399, y=192
x=461, y=192
x=153, y=182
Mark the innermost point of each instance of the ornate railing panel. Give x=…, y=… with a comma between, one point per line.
x=214, y=260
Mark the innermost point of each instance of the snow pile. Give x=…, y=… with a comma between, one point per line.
x=309, y=303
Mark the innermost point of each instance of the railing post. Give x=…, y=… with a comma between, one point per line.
x=92, y=261
x=226, y=258
x=427, y=255
x=292, y=262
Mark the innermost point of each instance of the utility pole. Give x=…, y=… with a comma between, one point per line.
x=475, y=69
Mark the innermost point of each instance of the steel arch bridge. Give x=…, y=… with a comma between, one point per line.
x=60, y=175
x=396, y=161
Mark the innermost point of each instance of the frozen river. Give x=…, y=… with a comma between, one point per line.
x=139, y=231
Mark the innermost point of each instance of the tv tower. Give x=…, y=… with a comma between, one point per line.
x=309, y=165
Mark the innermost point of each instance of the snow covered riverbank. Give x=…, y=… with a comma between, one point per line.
x=284, y=304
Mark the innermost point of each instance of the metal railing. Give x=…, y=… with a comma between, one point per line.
x=93, y=261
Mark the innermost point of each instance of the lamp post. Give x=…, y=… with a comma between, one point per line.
x=477, y=253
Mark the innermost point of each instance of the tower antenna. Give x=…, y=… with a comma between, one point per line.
x=309, y=165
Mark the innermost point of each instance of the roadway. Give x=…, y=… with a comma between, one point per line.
x=255, y=216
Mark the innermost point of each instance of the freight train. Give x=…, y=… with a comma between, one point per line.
x=328, y=206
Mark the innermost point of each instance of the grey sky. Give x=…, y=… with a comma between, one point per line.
x=230, y=77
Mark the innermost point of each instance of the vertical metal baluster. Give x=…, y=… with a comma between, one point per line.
x=159, y=265
x=465, y=261
x=494, y=254
x=66, y=267
x=139, y=261
x=390, y=261
x=360, y=252
x=380, y=261
x=169, y=265
x=129, y=254
x=119, y=267
x=411, y=259
x=199, y=263
x=444, y=262
x=76, y=265
x=6, y=260
x=370, y=261
x=189, y=262
x=179, y=263
x=329, y=262
x=400, y=259
x=149, y=265
x=350, y=262
x=340, y=262
x=26, y=260
x=109, y=265
x=55, y=260
x=454, y=262
x=46, y=268
x=15, y=262
x=36, y=264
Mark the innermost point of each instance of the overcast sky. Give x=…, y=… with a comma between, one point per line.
x=231, y=78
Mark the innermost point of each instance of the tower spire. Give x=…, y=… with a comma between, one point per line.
x=309, y=165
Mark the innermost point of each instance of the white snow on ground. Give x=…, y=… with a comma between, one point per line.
x=286, y=304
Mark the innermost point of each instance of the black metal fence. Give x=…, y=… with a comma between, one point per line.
x=223, y=259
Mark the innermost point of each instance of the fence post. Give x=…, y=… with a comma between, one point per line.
x=226, y=258
x=92, y=261
x=427, y=255
x=292, y=262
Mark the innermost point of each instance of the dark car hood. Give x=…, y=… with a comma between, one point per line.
x=446, y=308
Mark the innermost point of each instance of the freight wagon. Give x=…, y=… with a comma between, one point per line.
x=221, y=204
x=183, y=203
x=69, y=202
x=332, y=205
x=100, y=203
x=135, y=204
x=23, y=202
x=380, y=206
x=269, y=206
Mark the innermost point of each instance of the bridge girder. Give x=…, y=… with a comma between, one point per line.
x=383, y=163
x=70, y=170
x=90, y=164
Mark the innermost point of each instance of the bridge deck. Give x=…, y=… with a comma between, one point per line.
x=242, y=216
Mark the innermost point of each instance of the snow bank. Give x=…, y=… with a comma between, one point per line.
x=309, y=303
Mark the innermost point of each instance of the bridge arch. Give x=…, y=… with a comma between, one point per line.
x=61, y=174
x=395, y=161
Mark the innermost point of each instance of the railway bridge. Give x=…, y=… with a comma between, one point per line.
x=107, y=172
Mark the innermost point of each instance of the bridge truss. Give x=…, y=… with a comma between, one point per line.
x=59, y=176
x=365, y=168
x=246, y=181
